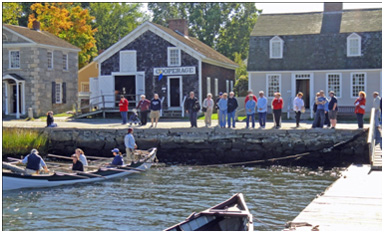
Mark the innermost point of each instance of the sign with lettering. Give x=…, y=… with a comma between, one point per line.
x=175, y=70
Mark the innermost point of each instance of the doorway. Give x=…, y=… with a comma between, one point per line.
x=302, y=85
x=174, y=92
x=125, y=85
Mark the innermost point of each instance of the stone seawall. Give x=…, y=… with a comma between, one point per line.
x=216, y=145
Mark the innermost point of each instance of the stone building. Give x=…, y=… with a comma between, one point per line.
x=39, y=72
x=336, y=49
x=134, y=66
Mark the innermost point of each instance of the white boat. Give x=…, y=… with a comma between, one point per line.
x=12, y=180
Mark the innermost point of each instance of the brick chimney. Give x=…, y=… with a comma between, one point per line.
x=180, y=25
x=36, y=25
x=333, y=6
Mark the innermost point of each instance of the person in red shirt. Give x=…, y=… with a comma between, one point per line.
x=123, y=104
x=247, y=97
x=277, y=106
x=360, y=108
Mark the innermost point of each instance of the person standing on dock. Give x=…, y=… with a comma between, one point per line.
x=130, y=146
x=217, y=107
x=262, y=105
x=208, y=106
x=277, y=106
x=250, y=106
x=34, y=163
x=192, y=106
x=250, y=92
x=223, y=108
x=332, y=109
x=320, y=112
x=232, y=106
x=123, y=105
x=376, y=105
x=155, y=110
x=360, y=109
x=298, y=107
x=143, y=106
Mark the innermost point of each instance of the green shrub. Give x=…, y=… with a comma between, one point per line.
x=18, y=141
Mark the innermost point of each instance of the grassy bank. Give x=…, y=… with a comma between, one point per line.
x=22, y=141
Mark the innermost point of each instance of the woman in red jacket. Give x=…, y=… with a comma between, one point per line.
x=277, y=106
x=360, y=108
x=123, y=105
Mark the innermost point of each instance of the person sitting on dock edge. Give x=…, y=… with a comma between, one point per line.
x=130, y=146
x=77, y=165
x=118, y=159
x=34, y=163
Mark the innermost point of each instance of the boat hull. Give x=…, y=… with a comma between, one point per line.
x=13, y=181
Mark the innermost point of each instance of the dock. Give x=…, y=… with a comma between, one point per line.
x=352, y=203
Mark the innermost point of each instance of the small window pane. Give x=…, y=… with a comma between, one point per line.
x=49, y=59
x=58, y=93
x=15, y=59
x=358, y=84
x=174, y=58
x=334, y=83
x=65, y=62
x=273, y=84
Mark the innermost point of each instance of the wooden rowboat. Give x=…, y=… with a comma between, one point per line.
x=19, y=180
x=231, y=215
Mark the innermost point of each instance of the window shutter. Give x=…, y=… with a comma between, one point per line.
x=64, y=90
x=53, y=92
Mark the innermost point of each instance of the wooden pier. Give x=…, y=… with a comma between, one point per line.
x=352, y=203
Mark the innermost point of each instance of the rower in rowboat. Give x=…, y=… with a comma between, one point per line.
x=77, y=165
x=118, y=159
x=34, y=163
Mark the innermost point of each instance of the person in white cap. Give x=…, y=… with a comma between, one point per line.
x=34, y=162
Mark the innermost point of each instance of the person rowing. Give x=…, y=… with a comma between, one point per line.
x=118, y=159
x=34, y=163
x=77, y=165
x=80, y=154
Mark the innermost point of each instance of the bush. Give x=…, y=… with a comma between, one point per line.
x=241, y=86
x=18, y=141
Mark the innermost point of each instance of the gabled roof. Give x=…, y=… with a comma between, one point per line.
x=40, y=37
x=191, y=45
x=359, y=20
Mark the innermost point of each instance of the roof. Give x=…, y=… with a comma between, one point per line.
x=17, y=77
x=198, y=46
x=40, y=37
x=358, y=20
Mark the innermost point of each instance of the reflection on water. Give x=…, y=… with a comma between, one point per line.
x=163, y=197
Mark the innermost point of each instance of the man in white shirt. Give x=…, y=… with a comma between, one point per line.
x=130, y=146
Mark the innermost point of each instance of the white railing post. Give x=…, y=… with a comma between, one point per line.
x=371, y=136
x=161, y=102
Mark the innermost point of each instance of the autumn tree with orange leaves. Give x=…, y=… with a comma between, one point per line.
x=69, y=22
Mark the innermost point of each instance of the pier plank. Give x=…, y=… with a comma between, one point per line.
x=353, y=202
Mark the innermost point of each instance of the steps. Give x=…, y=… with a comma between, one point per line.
x=172, y=113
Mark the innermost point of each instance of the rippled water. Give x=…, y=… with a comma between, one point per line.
x=164, y=196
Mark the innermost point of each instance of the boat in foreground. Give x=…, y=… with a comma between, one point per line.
x=230, y=215
x=12, y=180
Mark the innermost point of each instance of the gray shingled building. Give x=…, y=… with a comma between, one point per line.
x=336, y=49
x=39, y=72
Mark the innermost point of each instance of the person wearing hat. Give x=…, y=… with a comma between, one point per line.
x=376, y=105
x=77, y=165
x=123, y=105
x=277, y=106
x=250, y=92
x=332, y=109
x=34, y=163
x=262, y=105
x=130, y=146
x=118, y=159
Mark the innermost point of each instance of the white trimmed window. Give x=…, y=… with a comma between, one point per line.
x=208, y=85
x=358, y=83
x=14, y=59
x=273, y=84
x=58, y=93
x=174, y=56
x=334, y=83
x=65, y=61
x=216, y=87
x=354, y=45
x=84, y=87
x=50, y=59
x=276, y=48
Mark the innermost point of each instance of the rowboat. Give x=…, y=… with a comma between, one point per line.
x=230, y=215
x=20, y=180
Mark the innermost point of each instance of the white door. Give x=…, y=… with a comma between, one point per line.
x=94, y=89
x=140, y=85
x=106, y=87
x=128, y=61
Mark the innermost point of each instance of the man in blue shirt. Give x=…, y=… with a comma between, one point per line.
x=34, y=162
x=130, y=146
x=321, y=101
x=262, y=109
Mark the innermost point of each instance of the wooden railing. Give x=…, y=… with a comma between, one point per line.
x=372, y=136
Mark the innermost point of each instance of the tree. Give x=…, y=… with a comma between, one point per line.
x=162, y=11
x=69, y=22
x=114, y=21
x=241, y=74
x=12, y=11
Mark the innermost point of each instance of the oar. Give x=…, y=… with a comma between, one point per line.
x=114, y=169
x=126, y=167
x=14, y=159
x=66, y=157
x=90, y=174
x=69, y=174
x=59, y=156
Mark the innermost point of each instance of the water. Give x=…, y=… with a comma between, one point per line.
x=164, y=196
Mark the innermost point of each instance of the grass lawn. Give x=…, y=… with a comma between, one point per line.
x=64, y=114
x=215, y=117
